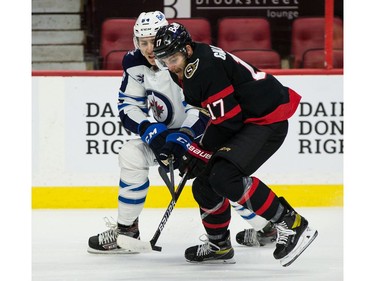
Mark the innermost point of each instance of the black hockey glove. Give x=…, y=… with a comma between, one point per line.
x=154, y=134
x=176, y=145
x=195, y=160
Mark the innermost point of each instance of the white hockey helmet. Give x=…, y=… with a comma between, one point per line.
x=148, y=24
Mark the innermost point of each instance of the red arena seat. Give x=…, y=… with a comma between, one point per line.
x=315, y=58
x=199, y=28
x=117, y=35
x=308, y=33
x=113, y=60
x=244, y=33
x=259, y=58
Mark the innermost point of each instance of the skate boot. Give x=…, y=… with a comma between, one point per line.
x=293, y=236
x=252, y=238
x=105, y=242
x=212, y=251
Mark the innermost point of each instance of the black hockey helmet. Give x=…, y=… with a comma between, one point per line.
x=171, y=39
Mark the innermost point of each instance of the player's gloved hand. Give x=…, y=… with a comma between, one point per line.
x=194, y=160
x=176, y=145
x=154, y=134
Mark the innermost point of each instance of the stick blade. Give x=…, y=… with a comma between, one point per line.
x=133, y=244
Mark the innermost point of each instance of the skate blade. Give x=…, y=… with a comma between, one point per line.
x=228, y=261
x=111, y=252
x=304, y=241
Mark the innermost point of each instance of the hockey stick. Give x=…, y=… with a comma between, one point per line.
x=139, y=246
x=171, y=174
x=169, y=182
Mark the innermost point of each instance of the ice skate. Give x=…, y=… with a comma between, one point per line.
x=211, y=252
x=105, y=242
x=293, y=236
x=252, y=238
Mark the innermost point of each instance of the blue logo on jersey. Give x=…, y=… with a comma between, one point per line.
x=161, y=107
x=141, y=78
x=159, y=16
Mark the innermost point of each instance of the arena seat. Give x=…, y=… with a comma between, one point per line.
x=243, y=33
x=113, y=60
x=315, y=58
x=308, y=33
x=117, y=37
x=262, y=59
x=117, y=34
x=199, y=28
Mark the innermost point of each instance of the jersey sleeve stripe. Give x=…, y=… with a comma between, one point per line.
x=230, y=114
x=281, y=113
x=121, y=106
x=123, y=96
x=220, y=95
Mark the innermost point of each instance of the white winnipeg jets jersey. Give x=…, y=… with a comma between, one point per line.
x=144, y=90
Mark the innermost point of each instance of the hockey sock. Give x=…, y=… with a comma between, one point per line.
x=257, y=222
x=131, y=200
x=216, y=220
x=259, y=198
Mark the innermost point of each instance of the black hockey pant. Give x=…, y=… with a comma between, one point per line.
x=228, y=177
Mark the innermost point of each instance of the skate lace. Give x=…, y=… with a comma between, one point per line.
x=109, y=235
x=283, y=233
x=206, y=248
x=251, y=237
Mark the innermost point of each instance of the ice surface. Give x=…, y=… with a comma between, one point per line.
x=59, y=249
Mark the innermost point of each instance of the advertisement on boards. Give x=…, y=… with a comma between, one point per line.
x=77, y=133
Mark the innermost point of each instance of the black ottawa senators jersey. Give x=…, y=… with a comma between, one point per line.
x=234, y=92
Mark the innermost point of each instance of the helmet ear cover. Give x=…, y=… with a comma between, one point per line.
x=171, y=39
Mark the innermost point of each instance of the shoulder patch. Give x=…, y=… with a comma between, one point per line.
x=191, y=68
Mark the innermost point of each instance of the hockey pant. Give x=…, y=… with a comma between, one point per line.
x=135, y=158
x=227, y=179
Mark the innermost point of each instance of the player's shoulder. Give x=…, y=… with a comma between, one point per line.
x=203, y=51
x=208, y=55
x=202, y=60
x=134, y=58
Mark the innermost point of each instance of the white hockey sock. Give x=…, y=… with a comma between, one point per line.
x=131, y=201
x=257, y=222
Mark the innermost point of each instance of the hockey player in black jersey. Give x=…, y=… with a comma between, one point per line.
x=249, y=112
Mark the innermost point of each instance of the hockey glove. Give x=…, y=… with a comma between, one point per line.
x=195, y=160
x=176, y=145
x=154, y=135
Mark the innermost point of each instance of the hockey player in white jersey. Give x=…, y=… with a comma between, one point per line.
x=144, y=86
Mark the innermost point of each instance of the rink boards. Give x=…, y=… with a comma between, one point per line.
x=77, y=135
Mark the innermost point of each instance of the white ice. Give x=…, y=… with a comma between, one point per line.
x=59, y=249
